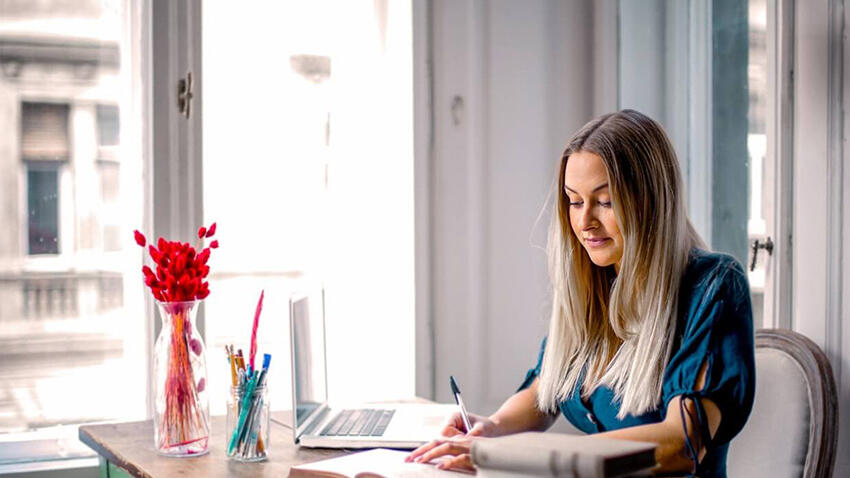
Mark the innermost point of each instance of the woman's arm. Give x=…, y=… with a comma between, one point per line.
x=519, y=413
x=672, y=451
x=672, y=454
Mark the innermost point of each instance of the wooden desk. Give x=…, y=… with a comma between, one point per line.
x=126, y=449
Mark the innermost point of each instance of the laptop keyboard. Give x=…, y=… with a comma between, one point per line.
x=366, y=422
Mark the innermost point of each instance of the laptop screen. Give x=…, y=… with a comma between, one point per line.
x=308, y=352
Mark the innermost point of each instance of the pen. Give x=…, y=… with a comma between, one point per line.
x=459, y=400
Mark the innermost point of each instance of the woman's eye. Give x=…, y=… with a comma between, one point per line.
x=605, y=203
x=576, y=203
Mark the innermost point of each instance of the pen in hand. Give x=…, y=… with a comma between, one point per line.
x=459, y=400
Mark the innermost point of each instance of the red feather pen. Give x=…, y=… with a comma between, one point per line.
x=254, y=331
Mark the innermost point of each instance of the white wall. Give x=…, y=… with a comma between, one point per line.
x=521, y=72
x=821, y=217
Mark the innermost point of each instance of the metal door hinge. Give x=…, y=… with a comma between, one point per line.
x=185, y=95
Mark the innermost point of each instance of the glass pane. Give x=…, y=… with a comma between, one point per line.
x=283, y=131
x=757, y=147
x=326, y=117
x=43, y=210
x=71, y=185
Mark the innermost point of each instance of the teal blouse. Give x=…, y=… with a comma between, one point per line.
x=715, y=323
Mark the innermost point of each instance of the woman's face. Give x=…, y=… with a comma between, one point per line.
x=591, y=215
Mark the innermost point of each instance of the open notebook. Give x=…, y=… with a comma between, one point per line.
x=376, y=463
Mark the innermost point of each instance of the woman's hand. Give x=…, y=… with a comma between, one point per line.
x=519, y=413
x=457, y=447
x=455, y=442
x=481, y=426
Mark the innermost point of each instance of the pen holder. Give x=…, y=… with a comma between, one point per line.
x=247, y=437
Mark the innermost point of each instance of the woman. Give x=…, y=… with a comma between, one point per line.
x=651, y=337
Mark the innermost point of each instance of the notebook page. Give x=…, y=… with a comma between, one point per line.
x=377, y=462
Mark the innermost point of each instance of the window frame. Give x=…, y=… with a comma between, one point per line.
x=779, y=163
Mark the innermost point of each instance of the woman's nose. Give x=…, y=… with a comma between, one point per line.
x=587, y=220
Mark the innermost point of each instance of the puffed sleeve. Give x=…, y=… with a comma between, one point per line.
x=533, y=372
x=715, y=326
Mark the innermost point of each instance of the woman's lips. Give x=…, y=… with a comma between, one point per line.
x=596, y=241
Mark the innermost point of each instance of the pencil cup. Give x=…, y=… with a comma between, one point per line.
x=247, y=423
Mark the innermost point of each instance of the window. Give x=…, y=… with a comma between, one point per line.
x=107, y=125
x=108, y=132
x=43, y=209
x=78, y=316
x=701, y=69
x=72, y=192
x=44, y=148
x=109, y=175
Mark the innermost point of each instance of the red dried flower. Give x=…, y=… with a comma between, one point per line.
x=204, y=256
x=178, y=268
x=140, y=238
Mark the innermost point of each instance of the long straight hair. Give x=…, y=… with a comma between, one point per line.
x=617, y=328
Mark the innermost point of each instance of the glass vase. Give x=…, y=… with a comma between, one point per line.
x=181, y=403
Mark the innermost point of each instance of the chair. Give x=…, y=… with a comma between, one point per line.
x=793, y=428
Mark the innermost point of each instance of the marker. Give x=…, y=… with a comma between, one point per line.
x=459, y=400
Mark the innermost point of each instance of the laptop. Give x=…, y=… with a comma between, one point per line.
x=316, y=424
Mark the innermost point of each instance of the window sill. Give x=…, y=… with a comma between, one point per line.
x=84, y=466
x=45, y=449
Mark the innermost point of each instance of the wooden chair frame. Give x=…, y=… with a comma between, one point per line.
x=823, y=396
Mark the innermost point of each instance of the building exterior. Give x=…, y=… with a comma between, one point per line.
x=60, y=197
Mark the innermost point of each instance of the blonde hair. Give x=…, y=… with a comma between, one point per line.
x=617, y=329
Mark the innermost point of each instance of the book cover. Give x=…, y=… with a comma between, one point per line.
x=561, y=455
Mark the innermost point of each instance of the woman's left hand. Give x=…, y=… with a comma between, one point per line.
x=456, y=448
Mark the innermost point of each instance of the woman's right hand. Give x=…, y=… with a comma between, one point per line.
x=481, y=426
x=455, y=444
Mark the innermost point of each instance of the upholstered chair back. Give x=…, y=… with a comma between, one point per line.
x=792, y=431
